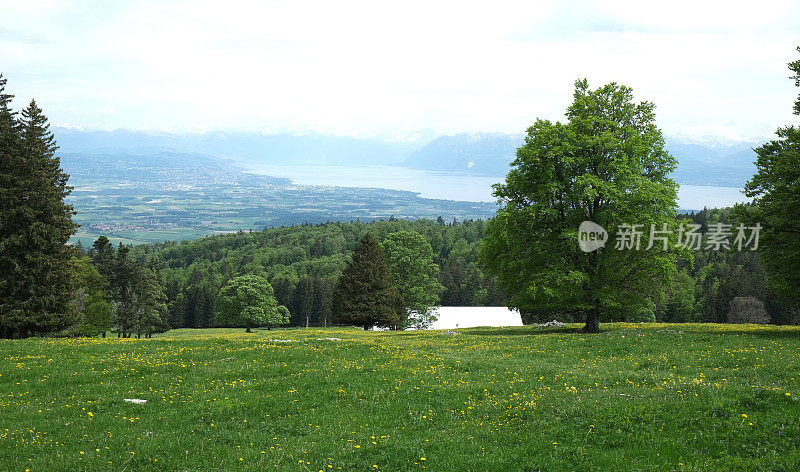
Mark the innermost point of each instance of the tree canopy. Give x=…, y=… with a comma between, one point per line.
x=776, y=191
x=248, y=300
x=415, y=274
x=607, y=164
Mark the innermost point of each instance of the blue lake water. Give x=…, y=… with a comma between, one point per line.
x=457, y=186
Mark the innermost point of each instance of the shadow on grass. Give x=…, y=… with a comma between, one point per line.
x=520, y=331
x=764, y=334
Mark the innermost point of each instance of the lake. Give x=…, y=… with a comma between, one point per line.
x=457, y=186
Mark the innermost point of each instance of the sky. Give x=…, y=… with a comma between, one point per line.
x=398, y=70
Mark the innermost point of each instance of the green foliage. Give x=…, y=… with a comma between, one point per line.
x=303, y=300
x=35, y=224
x=249, y=301
x=140, y=304
x=194, y=271
x=410, y=258
x=646, y=314
x=776, y=191
x=365, y=294
x=91, y=306
x=608, y=165
x=680, y=305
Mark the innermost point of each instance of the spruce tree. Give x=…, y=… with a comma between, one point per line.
x=303, y=309
x=365, y=294
x=11, y=313
x=36, y=225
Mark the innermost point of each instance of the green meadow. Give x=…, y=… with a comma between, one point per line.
x=635, y=397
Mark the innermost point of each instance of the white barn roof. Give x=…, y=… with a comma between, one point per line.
x=454, y=317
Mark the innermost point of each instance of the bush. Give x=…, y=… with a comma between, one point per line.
x=747, y=310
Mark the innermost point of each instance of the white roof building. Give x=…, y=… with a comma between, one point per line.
x=454, y=317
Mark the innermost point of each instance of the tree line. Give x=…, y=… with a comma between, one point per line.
x=606, y=164
x=303, y=263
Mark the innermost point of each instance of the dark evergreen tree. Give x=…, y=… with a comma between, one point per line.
x=102, y=253
x=11, y=204
x=303, y=308
x=123, y=283
x=323, y=300
x=150, y=303
x=36, y=225
x=140, y=305
x=365, y=294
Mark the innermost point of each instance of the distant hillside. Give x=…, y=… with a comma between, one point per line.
x=155, y=171
x=491, y=153
x=299, y=149
x=727, y=166
x=479, y=153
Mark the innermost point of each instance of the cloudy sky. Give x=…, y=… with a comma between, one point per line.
x=373, y=68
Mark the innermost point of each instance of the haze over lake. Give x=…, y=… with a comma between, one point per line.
x=457, y=186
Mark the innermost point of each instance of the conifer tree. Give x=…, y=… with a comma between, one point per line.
x=36, y=225
x=11, y=313
x=365, y=294
x=303, y=309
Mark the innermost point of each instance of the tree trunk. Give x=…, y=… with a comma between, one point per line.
x=104, y=334
x=592, y=321
x=248, y=328
x=367, y=328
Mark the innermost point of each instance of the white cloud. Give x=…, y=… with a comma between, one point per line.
x=364, y=68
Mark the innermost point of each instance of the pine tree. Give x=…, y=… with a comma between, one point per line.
x=102, y=253
x=303, y=301
x=323, y=294
x=150, y=303
x=366, y=295
x=123, y=282
x=11, y=313
x=36, y=225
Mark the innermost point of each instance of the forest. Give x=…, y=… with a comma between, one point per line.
x=304, y=262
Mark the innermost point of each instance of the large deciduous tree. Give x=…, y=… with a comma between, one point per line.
x=410, y=258
x=607, y=164
x=776, y=190
x=249, y=301
x=365, y=294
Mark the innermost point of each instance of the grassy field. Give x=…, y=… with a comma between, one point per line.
x=637, y=397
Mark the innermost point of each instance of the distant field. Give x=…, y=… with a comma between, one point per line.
x=637, y=397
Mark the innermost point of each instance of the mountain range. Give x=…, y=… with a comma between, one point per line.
x=484, y=154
